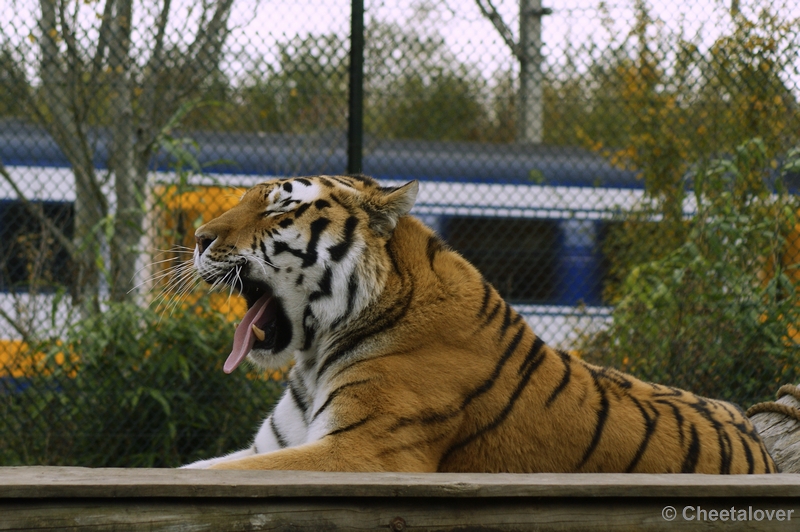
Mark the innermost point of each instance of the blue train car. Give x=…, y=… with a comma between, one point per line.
x=531, y=218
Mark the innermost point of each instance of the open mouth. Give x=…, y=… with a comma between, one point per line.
x=264, y=327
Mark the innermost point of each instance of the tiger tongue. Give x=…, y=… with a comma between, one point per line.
x=244, y=338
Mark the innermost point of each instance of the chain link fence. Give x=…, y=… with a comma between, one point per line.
x=623, y=172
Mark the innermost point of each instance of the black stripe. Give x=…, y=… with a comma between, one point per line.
x=266, y=257
x=324, y=287
x=299, y=401
x=337, y=200
x=341, y=180
x=388, y=319
x=748, y=454
x=298, y=212
x=602, y=416
x=493, y=313
x=317, y=226
x=692, y=454
x=392, y=258
x=286, y=222
x=673, y=392
x=363, y=179
x=384, y=318
x=350, y=426
x=506, y=321
x=434, y=247
x=352, y=291
x=701, y=406
x=487, y=291
x=310, y=255
x=287, y=186
x=489, y=382
x=303, y=180
x=321, y=204
x=566, y=359
x=620, y=379
x=309, y=330
x=333, y=394
x=726, y=453
x=338, y=251
x=649, y=429
x=443, y=416
x=278, y=436
x=531, y=357
x=497, y=420
x=678, y=417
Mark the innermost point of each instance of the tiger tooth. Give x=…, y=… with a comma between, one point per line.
x=259, y=333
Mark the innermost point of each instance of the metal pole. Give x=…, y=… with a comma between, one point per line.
x=355, y=119
x=531, y=109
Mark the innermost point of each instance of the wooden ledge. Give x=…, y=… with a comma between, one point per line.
x=34, y=498
x=72, y=482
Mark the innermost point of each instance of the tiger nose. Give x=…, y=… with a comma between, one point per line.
x=203, y=241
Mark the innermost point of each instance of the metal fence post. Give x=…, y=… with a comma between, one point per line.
x=355, y=118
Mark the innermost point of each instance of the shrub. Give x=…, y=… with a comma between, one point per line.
x=716, y=312
x=134, y=388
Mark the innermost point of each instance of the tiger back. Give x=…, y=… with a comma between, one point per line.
x=406, y=359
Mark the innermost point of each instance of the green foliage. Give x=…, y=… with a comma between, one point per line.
x=661, y=104
x=444, y=108
x=657, y=102
x=134, y=388
x=305, y=93
x=717, y=312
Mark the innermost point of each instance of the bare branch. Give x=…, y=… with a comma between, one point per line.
x=490, y=12
x=24, y=332
x=59, y=235
x=102, y=40
x=202, y=58
x=147, y=100
x=74, y=63
x=205, y=50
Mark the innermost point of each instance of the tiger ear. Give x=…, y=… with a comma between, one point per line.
x=391, y=204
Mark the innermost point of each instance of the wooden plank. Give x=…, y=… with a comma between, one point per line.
x=53, y=498
x=335, y=513
x=42, y=482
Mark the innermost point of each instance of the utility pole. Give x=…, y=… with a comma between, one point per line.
x=528, y=51
x=530, y=113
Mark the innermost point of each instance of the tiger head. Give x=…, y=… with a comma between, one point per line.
x=307, y=254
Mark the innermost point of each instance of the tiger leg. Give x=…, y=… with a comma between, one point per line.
x=331, y=455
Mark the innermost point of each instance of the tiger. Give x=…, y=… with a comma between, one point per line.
x=406, y=359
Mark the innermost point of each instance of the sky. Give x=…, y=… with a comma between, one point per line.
x=259, y=25
x=574, y=25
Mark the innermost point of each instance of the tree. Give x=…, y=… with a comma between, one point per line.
x=98, y=80
x=417, y=89
x=704, y=282
x=717, y=312
x=305, y=93
x=527, y=50
x=665, y=115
